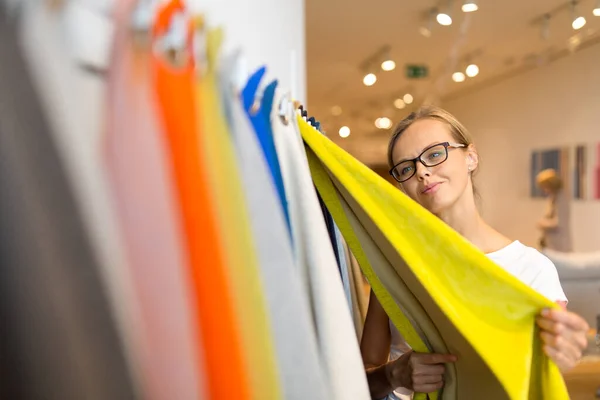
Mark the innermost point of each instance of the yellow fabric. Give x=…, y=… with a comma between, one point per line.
x=241, y=257
x=465, y=303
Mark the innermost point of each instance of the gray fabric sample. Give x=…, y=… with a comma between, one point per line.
x=296, y=348
x=58, y=337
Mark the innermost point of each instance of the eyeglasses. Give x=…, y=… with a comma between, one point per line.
x=430, y=157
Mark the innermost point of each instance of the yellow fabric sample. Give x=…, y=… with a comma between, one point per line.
x=422, y=271
x=240, y=256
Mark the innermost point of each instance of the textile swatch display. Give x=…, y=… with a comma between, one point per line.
x=169, y=355
x=248, y=290
x=337, y=341
x=58, y=338
x=435, y=286
x=300, y=368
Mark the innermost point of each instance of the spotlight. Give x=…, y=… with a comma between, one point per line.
x=444, y=19
x=383, y=123
x=470, y=6
x=578, y=20
x=399, y=104
x=388, y=65
x=472, y=70
x=458, y=77
x=344, y=131
x=369, y=79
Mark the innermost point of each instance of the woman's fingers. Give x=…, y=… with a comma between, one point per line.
x=429, y=387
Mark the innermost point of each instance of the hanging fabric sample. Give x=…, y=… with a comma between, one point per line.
x=447, y=295
x=77, y=128
x=58, y=339
x=315, y=259
x=259, y=111
x=249, y=293
x=178, y=113
x=170, y=357
x=301, y=371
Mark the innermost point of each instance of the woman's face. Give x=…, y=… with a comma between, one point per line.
x=440, y=187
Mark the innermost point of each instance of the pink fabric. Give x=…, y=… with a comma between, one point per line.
x=143, y=194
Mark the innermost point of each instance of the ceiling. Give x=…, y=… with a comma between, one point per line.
x=502, y=38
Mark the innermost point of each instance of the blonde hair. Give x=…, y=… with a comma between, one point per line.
x=459, y=132
x=549, y=179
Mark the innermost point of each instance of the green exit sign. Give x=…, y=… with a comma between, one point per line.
x=416, y=71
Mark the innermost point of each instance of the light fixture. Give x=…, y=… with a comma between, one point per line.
x=458, y=77
x=408, y=99
x=443, y=17
x=399, y=104
x=472, y=70
x=470, y=6
x=388, y=65
x=344, y=131
x=578, y=20
x=546, y=27
x=370, y=79
x=383, y=123
x=336, y=111
x=426, y=29
x=596, y=11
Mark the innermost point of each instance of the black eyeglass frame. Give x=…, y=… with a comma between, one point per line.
x=414, y=160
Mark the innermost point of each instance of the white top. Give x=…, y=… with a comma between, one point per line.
x=527, y=264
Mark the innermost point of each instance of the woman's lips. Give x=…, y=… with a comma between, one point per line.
x=431, y=188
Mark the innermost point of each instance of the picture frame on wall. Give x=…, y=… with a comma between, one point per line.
x=555, y=158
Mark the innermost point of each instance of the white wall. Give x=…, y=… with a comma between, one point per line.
x=552, y=106
x=271, y=33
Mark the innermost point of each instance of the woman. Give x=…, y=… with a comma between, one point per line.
x=433, y=158
x=555, y=224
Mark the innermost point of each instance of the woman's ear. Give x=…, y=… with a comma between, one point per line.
x=472, y=158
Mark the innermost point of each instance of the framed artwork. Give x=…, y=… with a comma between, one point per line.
x=557, y=159
x=580, y=173
x=595, y=172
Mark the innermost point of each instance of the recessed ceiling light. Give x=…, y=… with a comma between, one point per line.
x=469, y=6
x=472, y=70
x=388, y=65
x=344, y=131
x=399, y=104
x=370, y=79
x=444, y=19
x=336, y=111
x=383, y=123
x=408, y=99
x=458, y=77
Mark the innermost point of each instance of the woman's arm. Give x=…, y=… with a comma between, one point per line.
x=419, y=372
x=375, y=348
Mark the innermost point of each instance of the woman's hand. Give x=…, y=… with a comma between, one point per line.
x=565, y=337
x=420, y=372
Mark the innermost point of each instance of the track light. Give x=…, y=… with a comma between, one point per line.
x=370, y=79
x=388, y=65
x=383, y=123
x=470, y=6
x=344, y=132
x=458, y=77
x=546, y=27
x=472, y=70
x=399, y=104
x=443, y=17
x=578, y=19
